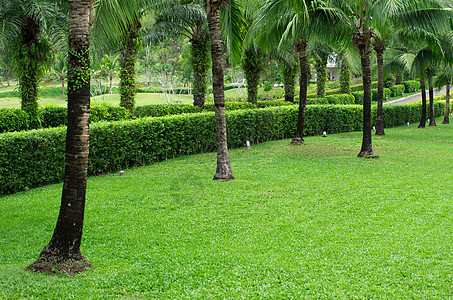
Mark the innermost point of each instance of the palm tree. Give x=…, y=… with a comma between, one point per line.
x=188, y=20
x=23, y=25
x=364, y=18
x=58, y=71
x=109, y=65
x=117, y=25
x=290, y=32
x=223, y=170
x=63, y=251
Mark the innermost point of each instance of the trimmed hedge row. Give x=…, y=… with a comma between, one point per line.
x=36, y=158
x=13, y=119
x=398, y=90
x=411, y=86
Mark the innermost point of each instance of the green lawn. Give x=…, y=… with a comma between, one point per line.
x=310, y=222
x=141, y=99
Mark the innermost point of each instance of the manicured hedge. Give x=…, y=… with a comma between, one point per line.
x=35, y=158
x=398, y=90
x=12, y=119
x=411, y=86
x=374, y=94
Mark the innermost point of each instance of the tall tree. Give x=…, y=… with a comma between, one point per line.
x=189, y=20
x=223, y=170
x=63, y=251
x=23, y=30
x=292, y=30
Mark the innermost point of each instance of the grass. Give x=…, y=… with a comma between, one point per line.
x=141, y=99
x=297, y=222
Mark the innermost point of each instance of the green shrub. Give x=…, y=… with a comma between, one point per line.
x=273, y=94
x=231, y=106
x=105, y=112
x=10, y=94
x=358, y=97
x=411, y=86
x=35, y=158
x=341, y=99
x=374, y=94
x=272, y=103
x=54, y=116
x=159, y=110
x=398, y=90
x=316, y=101
x=12, y=119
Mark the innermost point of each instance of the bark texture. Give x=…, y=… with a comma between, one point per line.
x=423, y=91
x=379, y=48
x=64, y=247
x=432, y=117
x=200, y=65
x=362, y=40
x=301, y=49
x=127, y=72
x=223, y=170
x=447, y=101
x=289, y=79
x=252, y=66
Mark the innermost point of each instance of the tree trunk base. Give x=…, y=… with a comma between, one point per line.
x=223, y=177
x=421, y=126
x=297, y=141
x=54, y=264
x=379, y=132
x=367, y=154
x=445, y=122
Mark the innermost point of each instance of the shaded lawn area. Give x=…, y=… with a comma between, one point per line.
x=311, y=222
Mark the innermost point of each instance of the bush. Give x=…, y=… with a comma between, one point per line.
x=10, y=94
x=12, y=119
x=374, y=94
x=54, y=116
x=341, y=99
x=358, y=97
x=104, y=112
x=231, y=106
x=272, y=103
x=274, y=93
x=316, y=101
x=411, y=86
x=397, y=90
x=159, y=110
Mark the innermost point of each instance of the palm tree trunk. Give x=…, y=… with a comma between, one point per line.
x=301, y=49
x=200, y=52
x=62, y=88
x=363, y=43
x=447, y=101
x=111, y=84
x=28, y=79
x=432, y=117
x=379, y=47
x=127, y=73
x=345, y=77
x=423, y=91
x=289, y=78
x=63, y=251
x=223, y=170
x=252, y=67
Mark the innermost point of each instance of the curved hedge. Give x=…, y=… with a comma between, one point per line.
x=35, y=158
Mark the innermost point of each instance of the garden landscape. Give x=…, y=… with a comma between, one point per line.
x=326, y=133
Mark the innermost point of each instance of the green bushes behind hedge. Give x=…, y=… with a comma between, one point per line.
x=13, y=119
x=411, y=86
x=35, y=158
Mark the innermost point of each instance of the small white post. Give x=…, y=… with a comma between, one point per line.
x=248, y=145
